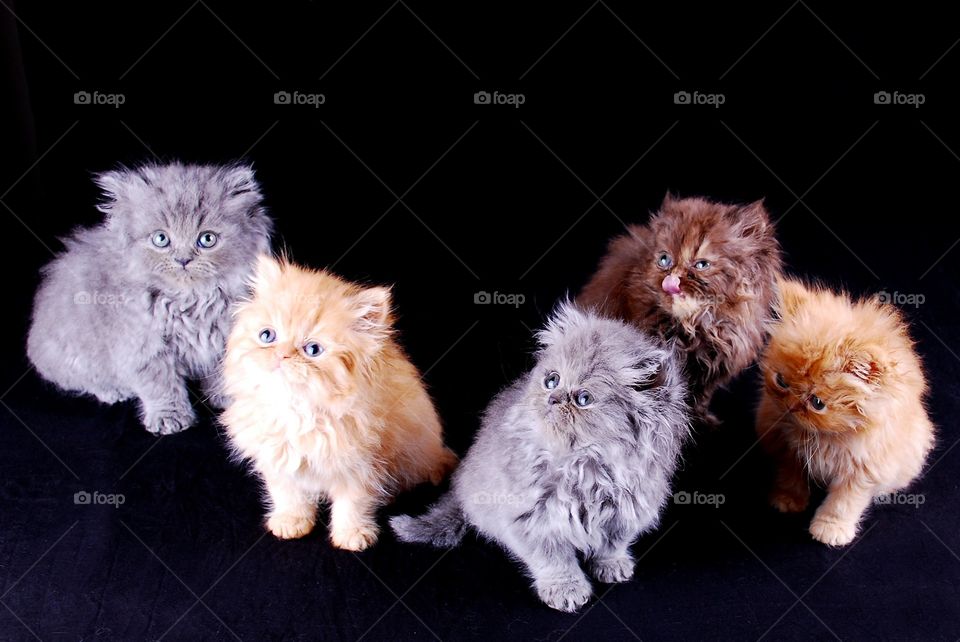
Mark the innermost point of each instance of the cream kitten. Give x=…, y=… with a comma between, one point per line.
x=842, y=403
x=326, y=406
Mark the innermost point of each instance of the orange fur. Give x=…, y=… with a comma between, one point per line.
x=873, y=435
x=354, y=425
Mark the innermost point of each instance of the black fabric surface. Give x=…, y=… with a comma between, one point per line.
x=400, y=178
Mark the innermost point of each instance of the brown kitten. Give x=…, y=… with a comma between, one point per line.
x=842, y=403
x=700, y=274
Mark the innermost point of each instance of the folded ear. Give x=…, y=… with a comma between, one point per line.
x=241, y=186
x=267, y=272
x=791, y=296
x=372, y=308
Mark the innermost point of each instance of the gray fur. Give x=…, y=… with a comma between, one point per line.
x=550, y=482
x=119, y=318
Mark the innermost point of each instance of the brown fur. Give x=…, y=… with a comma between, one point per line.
x=873, y=435
x=719, y=319
x=353, y=425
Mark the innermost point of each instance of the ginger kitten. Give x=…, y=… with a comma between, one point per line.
x=701, y=275
x=325, y=404
x=843, y=403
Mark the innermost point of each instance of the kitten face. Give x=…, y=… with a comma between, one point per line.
x=184, y=225
x=310, y=332
x=596, y=378
x=702, y=253
x=825, y=361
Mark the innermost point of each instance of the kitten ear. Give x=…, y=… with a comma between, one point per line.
x=241, y=184
x=860, y=361
x=116, y=186
x=752, y=221
x=791, y=296
x=372, y=308
x=651, y=373
x=267, y=272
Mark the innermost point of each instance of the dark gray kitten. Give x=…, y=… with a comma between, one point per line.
x=140, y=303
x=575, y=458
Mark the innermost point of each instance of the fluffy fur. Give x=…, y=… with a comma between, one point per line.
x=118, y=317
x=701, y=275
x=550, y=480
x=843, y=403
x=352, y=425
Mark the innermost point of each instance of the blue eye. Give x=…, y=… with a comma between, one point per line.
x=664, y=260
x=584, y=399
x=313, y=349
x=207, y=240
x=817, y=403
x=702, y=264
x=268, y=335
x=160, y=239
x=552, y=381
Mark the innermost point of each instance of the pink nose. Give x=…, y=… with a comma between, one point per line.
x=671, y=284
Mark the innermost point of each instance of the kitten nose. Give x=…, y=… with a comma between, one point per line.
x=671, y=284
x=556, y=398
x=183, y=262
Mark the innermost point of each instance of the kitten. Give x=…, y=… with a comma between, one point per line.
x=574, y=459
x=325, y=403
x=843, y=403
x=141, y=302
x=701, y=275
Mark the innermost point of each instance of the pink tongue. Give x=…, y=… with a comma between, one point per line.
x=671, y=284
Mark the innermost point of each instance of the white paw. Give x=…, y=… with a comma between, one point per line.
x=832, y=532
x=290, y=526
x=356, y=538
x=613, y=570
x=169, y=422
x=567, y=594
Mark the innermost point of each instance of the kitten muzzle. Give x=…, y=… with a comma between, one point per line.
x=671, y=284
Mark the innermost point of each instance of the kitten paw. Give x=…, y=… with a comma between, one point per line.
x=168, y=422
x=567, y=594
x=787, y=501
x=354, y=539
x=613, y=569
x=290, y=526
x=832, y=532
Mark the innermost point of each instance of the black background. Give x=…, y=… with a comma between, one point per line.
x=514, y=200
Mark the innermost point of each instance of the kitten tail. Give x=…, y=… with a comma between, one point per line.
x=443, y=526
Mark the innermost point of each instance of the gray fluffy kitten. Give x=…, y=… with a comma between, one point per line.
x=140, y=303
x=575, y=458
